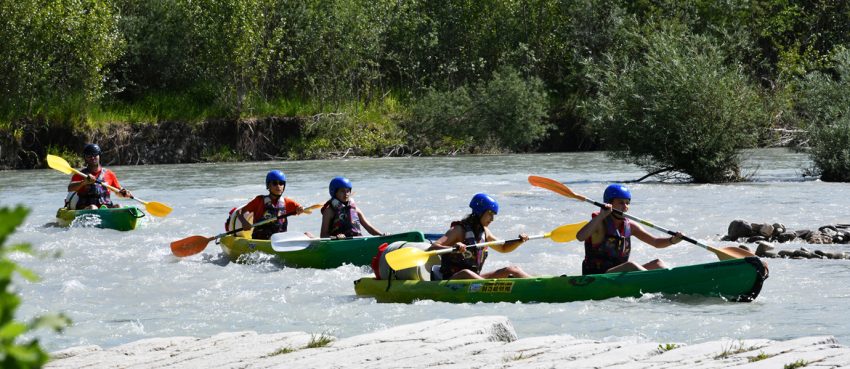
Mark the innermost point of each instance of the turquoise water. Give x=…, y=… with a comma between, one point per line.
x=121, y=287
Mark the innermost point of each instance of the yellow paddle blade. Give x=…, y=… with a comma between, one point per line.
x=407, y=257
x=158, y=209
x=59, y=164
x=566, y=232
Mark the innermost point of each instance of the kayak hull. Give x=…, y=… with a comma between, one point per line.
x=122, y=219
x=325, y=254
x=736, y=280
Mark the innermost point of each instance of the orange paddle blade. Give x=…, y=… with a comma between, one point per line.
x=190, y=245
x=728, y=253
x=554, y=186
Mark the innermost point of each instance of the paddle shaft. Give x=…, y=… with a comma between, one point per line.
x=113, y=188
x=647, y=223
x=486, y=244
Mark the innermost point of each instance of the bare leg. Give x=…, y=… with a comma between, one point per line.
x=655, y=264
x=628, y=266
x=466, y=274
x=512, y=271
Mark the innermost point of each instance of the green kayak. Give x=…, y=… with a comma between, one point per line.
x=736, y=280
x=122, y=219
x=319, y=254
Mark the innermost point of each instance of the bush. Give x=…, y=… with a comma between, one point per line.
x=505, y=113
x=14, y=354
x=676, y=107
x=52, y=51
x=823, y=108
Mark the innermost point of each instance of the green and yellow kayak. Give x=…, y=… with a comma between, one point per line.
x=736, y=280
x=122, y=219
x=319, y=254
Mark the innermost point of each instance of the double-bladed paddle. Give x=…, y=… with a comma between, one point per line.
x=194, y=244
x=409, y=257
x=155, y=208
x=725, y=253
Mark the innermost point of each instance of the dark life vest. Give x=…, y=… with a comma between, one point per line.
x=96, y=193
x=612, y=251
x=345, y=219
x=272, y=210
x=473, y=260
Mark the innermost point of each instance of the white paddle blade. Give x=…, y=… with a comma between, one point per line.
x=288, y=242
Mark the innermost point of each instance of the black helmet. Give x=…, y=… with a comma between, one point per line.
x=91, y=150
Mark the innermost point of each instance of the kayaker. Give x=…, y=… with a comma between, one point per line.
x=607, y=237
x=85, y=192
x=341, y=218
x=467, y=264
x=273, y=205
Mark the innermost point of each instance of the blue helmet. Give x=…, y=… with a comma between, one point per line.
x=337, y=183
x=616, y=191
x=275, y=175
x=91, y=150
x=482, y=202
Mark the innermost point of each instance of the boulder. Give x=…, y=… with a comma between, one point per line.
x=778, y=228
x=765, y=249
x=803, y=233
x=818, y=238
x=765, y=230
x=755, y=239
x=786, y=236
x=739, y=229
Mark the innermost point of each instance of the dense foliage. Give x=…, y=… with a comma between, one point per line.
x=824, y=110
x=677, y=106
x=13, y=353
x=383, y=63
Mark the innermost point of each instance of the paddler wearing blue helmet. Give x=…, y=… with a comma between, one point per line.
x=341, y=218
x=607, y=237
x=273, y=205
x=473, y=230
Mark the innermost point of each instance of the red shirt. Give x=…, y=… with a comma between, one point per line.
x=108, y=178
x=256, y=206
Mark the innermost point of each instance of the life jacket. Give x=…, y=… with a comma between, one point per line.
x=272, y=210
x=612, y=251
x=345, y=220
x=96, y=193
x=473, y=259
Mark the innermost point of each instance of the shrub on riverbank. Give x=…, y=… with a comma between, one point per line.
x=13, y=352
x=505, y=113
x=679, y=106
x=823, y=108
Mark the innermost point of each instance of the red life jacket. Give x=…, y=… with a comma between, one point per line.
x=612, y=251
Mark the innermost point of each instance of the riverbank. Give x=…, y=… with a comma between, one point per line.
x=482, y=341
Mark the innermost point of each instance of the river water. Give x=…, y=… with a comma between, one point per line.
x=119, y=287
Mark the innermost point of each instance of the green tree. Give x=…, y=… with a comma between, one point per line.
x=506, y=112
x=676, y=107
x=823, y=109
x=54, y=52
x=13, y=353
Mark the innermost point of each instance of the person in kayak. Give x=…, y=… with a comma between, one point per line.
x=467, y=263
x=607, y=237
x=341, y=218
x=84, y=192
x=273, y=205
